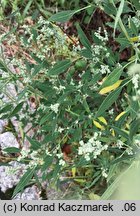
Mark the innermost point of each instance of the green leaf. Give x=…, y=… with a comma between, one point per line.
x=83, y=38
x=124, y=42
x=44, y=118
x=4, y=164
x=48, y=160
x=94, y=181
x=59, y=67
x=16, y=110
x=109, y=8
x=6, y=108
x=27, y=7
x=119, y=12
x=120, y=132
x=21, y=94
x=2, y=66
x=12, y=150
x=134, y=108
x=76, y=134
x=133, y=27
x=110, y=88
x=108, y=101
x=35, y=145
x=62, y=16
x=134, y=127
x=112, y=78
x=86, y=53
x=38, y=67
x=136, y=4
x=24, y=180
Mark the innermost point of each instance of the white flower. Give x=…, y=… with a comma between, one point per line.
x=48, y=153
x=33, y=155
x=95, y=135
x=105, y=147
x=23, y=154
x=62, y=162
x=111, y=111
x=104, y=69
x=93, y=147
x=102, y=38
x=90, y=116
x=129, y=151
x=59, y=89
x=27, y=80
x=54, y=107
x=137, y=142
x=60, y=129
x=87, y=157
x=136, y=21
x=104, y=174
x=134, y=69
x=60, y=155
x=62, y=87
x=135, y=81
x=107, y=55
x=119, y=144
x=42, y=106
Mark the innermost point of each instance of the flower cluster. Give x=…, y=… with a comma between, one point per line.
x=100, y=37
x=104, y=69
x=23, y=154
x=134, y=72
x=92, y=148
x=136, y=21
x=119, y=144
x=35, y=157
x=54, y=107
x=104, y=173
x=61, y=160
x=97, y=52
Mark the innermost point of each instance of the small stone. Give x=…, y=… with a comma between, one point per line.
x=30, y=193
x=7, y=139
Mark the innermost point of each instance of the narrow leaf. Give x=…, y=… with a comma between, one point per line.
x=59, y=67
x=112, y=78
x=62, y=16
x=110, y=88
x=16, y=110
x=134, y=127
x=119, y=12
x=12, y=150
x=102, y=119
x=44, y=118
x=120, y=132
x=83, y=38
x=119, y=116
x=24, y=181
x=35, y=145
x=73, y=171
x=108, y=101
x=6, y=108
x=97, y=124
